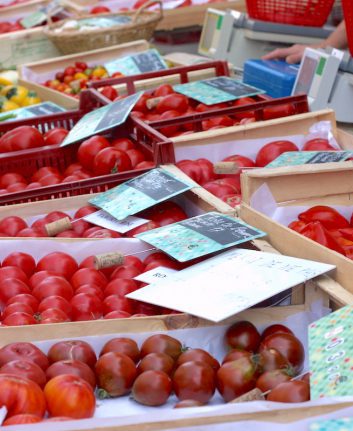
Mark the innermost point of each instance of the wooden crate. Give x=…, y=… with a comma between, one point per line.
x=172, y=18
x=32, y=75
x=306, y=185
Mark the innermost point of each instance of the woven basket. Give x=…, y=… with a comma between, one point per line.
x=141, y=26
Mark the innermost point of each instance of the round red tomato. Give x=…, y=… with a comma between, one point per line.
x=72, y=350
x=166, y=213
x=136, y=157
x=117, y=315
x=43, y=172
x=162, y=343
x=55, y=136
x=123, y=144
x=12, y=225
x=120, y=287
x=39, y=276
x=273, y=329
x=152, y=388
x=86, y=307
x=272, y=359
x=10, y=287
x=194, y=380
x=270, y=379
x=26, y=418
x=125, y=271
x=295, y=391
x=13, y=272
x=115, y=373
x=235, y=354
x=145, y=165
x=243, y=335
x=143, y=228
x=83, y=211
x=59, y=263
x=24, y=298
x=27, y=369
x=117, y=303
x=127, y=346
x=53, y=315
x=21, y=260
x=198, y=355
x=88, y=276
x=19, y=319
x=174, y=102
x=318, y=144
x=111, y=161
x=21, y=138
x=89, y=149
x=20, y=395
x=272, y=150
x=157, y=362
x=16, y=307
x=71, y=396
x=287, y=345
x=163, y=90
x=24, y=351
x=53, y=286
x=74, y=368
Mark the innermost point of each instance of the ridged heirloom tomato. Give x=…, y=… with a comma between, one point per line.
x=68, y=395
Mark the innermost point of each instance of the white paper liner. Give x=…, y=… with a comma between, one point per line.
x=249, y=147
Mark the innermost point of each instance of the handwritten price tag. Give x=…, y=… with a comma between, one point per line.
x=160, y=273
x=103, y=219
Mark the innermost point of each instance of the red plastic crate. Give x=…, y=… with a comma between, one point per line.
x=312, y=13
x=348, y=17
x=152, y=143
x=266, y=110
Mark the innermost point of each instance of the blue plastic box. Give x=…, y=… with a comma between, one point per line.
x=275, y=77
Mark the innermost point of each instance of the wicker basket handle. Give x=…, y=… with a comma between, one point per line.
x=146, y=6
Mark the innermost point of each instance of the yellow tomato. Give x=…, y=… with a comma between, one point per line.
x=31, y=99
x=6, y=105
x=80, y=75
x=99, y=72
x=15, y=93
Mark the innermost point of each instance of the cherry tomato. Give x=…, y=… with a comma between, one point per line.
x=74, y=368
x=86, y=307
x=27, y=369
x=273, y=329
x=127, y=346
x=194, y=380
x=115, y=373
x=161, y=343
x=270, y=379
x=198, y=355
x=295, y=391
x=110, y=161
x=243, y=335
x=287, y=345
x=20, y=395
x=24, y=351
x=152, y=388
x=157, y=362
x=89, y=149
x=272, y=150
x=72, y=350
x=71, y=396
x=58, y=262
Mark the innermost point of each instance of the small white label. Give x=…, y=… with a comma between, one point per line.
x=161, y=273
x=104, y=219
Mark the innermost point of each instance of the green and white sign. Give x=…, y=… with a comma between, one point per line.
x=294, y=158
x=147, y=61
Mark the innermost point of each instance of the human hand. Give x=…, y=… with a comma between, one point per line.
x=293, y=54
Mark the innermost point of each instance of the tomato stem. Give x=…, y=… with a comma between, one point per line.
x=102, y=394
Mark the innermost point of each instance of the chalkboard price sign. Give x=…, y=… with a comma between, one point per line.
x=102, y=119
x=140, y=193
x=330, y=156
x=201, y=235
x=217, y=90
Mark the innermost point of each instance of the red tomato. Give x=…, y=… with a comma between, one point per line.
x=161, y=343
x=235, y=354
x=73, y=168
x=25, y=418
x=241, y=161
x=219, y=188
x=117, y=315
x=97, y=232
x=13, y=272
x=117, y=303
x=110, y=161
x=157, y=362
x=16, y=307
x=10, y=287
x=271, y=359
x=115, y=373
x=144, y=309
x=152, y=388
x=53, y=286
x=70, y=71
x=287, y=345
x=123, y=144
x=83, y=211
x=58, y=262
x=21, y=260
x=145, y=165
x=273, y=329
x=24, y=351
x=53, y=315
x=163, y=90
x=74, y=368
x=55, y=216
x=318, y=145
x=120, y=287
x=100, y=9
x=173, y=102
x=20, y=395
x=17, y=187
x=12, y=225
x=243, y=335
x=19, y=319
x=21, y=138
x=194, y=380
x=167, y=263
x=88, y=276
x=224, y=121
x=165, y=213
x=38, y=277
x=109, y=92
x=136, y=157
x=27, y=369
x=72, y=350
x=244, y=101
x=24, y=298
x=295, y=391
x=11, y=178
x=270, y=379
x=91, y=289
x=71, y=396
x=55, y=136
x=143, y=228
x=278, y=111
x=135, y=261
x=125, y=271
x=43, y=172
x=89, y=149
x=235, y=378
x=126, y=346
x=86, y=307
x=191, y=169
x=140, y=105
x=272, y=150
x=198, y=355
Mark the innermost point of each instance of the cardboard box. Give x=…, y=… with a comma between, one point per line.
x=172, y=18
x=33, y=75
x=302, y=186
